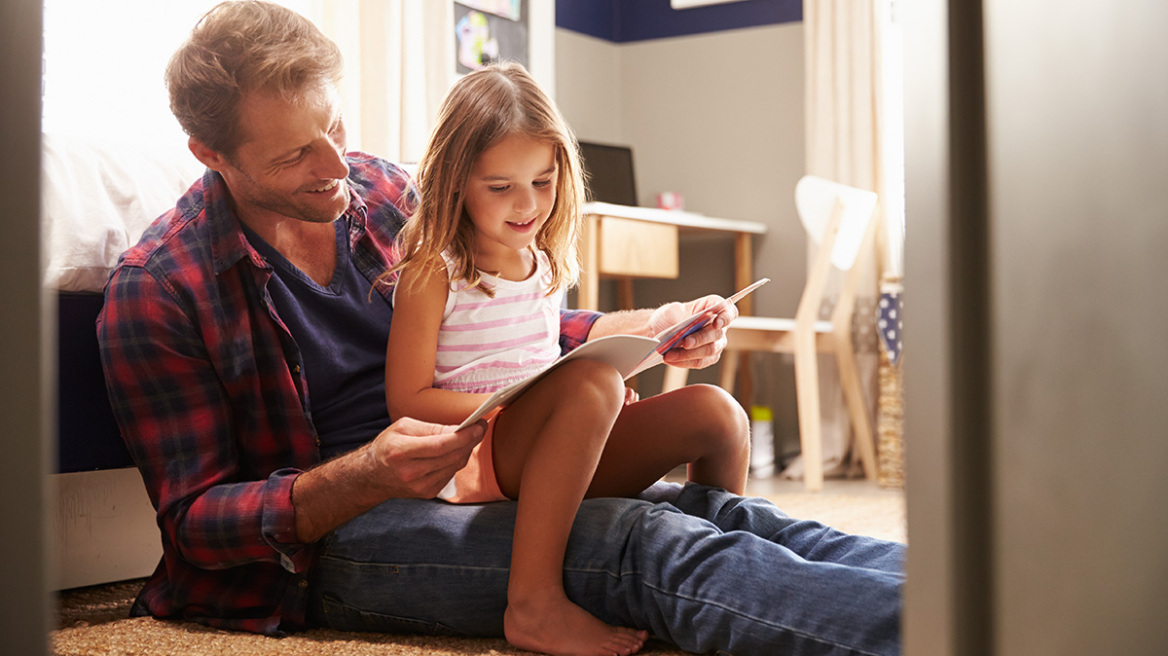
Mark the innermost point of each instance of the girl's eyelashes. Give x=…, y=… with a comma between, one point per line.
x=539, y=184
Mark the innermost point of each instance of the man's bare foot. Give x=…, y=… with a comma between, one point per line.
x=554, y=625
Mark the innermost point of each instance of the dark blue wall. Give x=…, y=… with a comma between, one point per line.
x=622, y=21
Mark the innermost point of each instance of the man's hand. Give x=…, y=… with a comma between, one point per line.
x=416, y=459
x=704, y=347
x=631, y=396
x=410, y=459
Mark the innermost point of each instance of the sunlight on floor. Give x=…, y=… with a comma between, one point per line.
x=851, y=505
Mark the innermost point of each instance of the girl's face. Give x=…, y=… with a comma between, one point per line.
x=508, y=197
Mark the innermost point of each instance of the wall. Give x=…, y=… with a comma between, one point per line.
x=25, y=335
x=625, y=21
x=719, y=118
x=1077, y=150
x=1036, y=268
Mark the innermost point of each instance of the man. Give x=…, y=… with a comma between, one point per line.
x=243, y=344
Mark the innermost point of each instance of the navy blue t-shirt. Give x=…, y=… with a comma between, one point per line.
x=342, y=331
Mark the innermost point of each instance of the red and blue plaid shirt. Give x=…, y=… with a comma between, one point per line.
x=207, y=387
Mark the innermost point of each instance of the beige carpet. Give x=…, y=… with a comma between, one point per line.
x=94, y=621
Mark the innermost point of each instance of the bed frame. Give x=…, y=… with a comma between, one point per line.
x=103, y=526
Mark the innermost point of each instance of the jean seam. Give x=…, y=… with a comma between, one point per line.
x=327, y=611
x=759, y=620
x=619, y=576
x=378, y=565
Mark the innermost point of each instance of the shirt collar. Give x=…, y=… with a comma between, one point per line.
x=357, y=214
x=228, y=243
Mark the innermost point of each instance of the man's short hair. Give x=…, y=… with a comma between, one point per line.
x=239, y=47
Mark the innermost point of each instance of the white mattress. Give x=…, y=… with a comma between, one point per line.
x=96, y=200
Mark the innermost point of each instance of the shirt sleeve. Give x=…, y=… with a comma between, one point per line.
x=178, y=422
x=574, y=328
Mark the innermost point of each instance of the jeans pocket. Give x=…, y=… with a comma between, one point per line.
x=340, y=616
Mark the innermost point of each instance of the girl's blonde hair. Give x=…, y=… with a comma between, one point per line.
x=481, y=109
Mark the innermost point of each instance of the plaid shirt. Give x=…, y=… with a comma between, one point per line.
x=207, y=387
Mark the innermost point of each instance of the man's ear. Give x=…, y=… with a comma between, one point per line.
x=210, y=158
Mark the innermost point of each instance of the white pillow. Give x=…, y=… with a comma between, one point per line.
x=96, y=200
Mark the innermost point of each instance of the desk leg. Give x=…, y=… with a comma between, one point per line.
x=743, y=276
x=743, y=270
x=624, y=293
x=624, y=301
x=588, y=295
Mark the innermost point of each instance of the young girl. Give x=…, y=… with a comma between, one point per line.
x=485, y=262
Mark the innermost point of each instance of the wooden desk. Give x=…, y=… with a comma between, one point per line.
x=642, y=242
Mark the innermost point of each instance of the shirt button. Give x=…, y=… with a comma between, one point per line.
x=303, y=583
x=295, y=368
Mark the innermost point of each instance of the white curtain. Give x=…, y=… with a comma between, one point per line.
x=399, y=63
x=851, y=138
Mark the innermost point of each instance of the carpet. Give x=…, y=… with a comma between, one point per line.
x=94, y=621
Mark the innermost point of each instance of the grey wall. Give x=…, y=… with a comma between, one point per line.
x=719, y=118
x=1078, y=153
x=24, y=334
x=1037, y=259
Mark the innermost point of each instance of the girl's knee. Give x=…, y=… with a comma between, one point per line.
x=593, y=382
x=720, y=413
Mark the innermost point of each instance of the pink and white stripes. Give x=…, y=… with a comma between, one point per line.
x=487, y=343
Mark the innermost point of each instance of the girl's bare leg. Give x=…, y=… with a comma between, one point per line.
x=546, y=448
x=699, y=425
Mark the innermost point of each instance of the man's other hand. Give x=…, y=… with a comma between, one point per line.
x=418, y=458
x=704, y=347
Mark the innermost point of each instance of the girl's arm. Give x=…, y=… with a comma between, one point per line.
x=410, y=353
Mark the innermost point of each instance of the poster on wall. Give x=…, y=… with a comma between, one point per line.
x=486, y=31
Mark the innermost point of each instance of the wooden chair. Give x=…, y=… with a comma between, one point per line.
x=842, y=218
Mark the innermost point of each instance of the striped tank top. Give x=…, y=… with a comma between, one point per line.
x=487, y=343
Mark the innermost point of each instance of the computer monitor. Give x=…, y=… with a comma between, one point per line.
x=609, y=173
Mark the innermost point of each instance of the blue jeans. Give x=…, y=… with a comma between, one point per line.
x=707, y=571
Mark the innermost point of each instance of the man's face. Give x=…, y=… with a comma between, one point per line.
x=290, y=164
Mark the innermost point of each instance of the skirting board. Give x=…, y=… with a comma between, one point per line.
x=103, y=528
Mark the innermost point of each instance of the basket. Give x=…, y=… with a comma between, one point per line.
x=890, y=401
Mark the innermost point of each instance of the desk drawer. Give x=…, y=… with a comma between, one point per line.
x=637, y=248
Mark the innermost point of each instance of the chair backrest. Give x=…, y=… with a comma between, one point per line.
x=839, y=219
x=815, y=199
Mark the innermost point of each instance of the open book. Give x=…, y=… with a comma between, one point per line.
x=628, y=354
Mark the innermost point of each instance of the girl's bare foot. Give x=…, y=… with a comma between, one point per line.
x=554, y=625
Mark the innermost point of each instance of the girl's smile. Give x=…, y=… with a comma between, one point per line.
x=522, y=227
